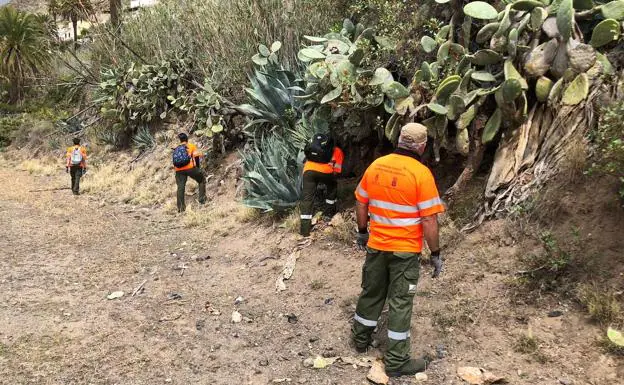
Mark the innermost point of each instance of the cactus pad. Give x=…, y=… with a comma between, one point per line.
x=605, y=32
x=485, y=57
x=480, y=10
x=492, y=126
x=565, y=19
x=581, y=56
x=540, y=58
x=577, y=90
x=542, y=88
x=613, y=10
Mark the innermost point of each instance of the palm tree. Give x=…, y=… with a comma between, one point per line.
x=24, y=49
x=72, y=10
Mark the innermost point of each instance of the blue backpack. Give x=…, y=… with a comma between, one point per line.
x=181, y=156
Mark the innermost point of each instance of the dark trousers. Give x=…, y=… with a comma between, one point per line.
x=311, y=180
x=181, y=177
x=76, y=174
x=392, y=278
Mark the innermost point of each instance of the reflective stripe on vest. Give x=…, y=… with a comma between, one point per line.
x=400, y=222
x=393, y=206
x=362, y=192
x=429, y=204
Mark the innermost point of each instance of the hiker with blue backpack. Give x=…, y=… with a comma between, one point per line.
x=76, y=164
x=186, y=161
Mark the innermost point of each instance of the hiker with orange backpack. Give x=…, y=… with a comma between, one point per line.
x=186, y=161
x=76, y=164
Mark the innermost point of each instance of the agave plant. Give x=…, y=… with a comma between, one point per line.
x=272, y=174
x=273, y=101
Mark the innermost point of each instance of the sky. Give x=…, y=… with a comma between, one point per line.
x=3, y=2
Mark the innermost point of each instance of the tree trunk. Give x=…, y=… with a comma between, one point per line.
x=115, y=13
x=14, y=91
x=74, y=21
x=477, y=149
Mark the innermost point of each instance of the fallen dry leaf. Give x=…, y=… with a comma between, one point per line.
x=377, y=373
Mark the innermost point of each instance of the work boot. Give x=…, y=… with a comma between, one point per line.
x=411, y=367
x=358, y=347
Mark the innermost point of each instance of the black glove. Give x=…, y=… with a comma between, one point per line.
x=362, y=239
x=437, y=263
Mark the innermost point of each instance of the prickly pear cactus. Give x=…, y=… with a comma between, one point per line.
x=529, y=47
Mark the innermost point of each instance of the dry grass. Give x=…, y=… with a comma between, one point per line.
x=149, y=182
x=602, y=305
x=317, y=284
x=194, y=217
x=246, y=214
x=44, y=167
x=575, y=162
x=529, y=344
x=341, y=228
x=292, y=221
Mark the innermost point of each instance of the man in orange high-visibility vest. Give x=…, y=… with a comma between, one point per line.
x=76, y=164
x=399, y=195
x=323, y=165
x=186, y=162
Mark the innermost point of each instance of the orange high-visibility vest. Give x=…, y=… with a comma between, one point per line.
x=399, y=191
x=334, y=166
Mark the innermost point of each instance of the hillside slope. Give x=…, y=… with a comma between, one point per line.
x=65, y=254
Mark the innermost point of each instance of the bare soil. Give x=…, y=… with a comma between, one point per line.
x=62, y=256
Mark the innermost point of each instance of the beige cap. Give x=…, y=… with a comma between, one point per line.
x=412, y=135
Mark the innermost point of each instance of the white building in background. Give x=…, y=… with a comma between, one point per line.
x=134, y=4
x=66, y=31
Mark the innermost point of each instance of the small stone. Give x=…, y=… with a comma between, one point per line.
x=565, y=381
x=441, y=351
x=199, y=324
x=308, y=362
x=236, y=317
x=314, y=339
x=555, y=313
x=264, y=362
x=421, y=377
x=292, y=318
x=238, y=300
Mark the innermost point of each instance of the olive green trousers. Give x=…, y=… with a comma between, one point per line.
x=311, y=180
x=392, y=277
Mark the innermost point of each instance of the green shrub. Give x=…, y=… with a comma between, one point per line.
x=220, y=36
x=8, y=126
x=609, y=141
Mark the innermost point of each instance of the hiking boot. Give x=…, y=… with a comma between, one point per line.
x=409, y=368
x=360, y=348
x=76, y=192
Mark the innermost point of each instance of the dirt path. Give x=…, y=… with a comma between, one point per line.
x=62, y=255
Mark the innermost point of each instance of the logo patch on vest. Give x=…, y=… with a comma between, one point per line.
x=411, y=289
